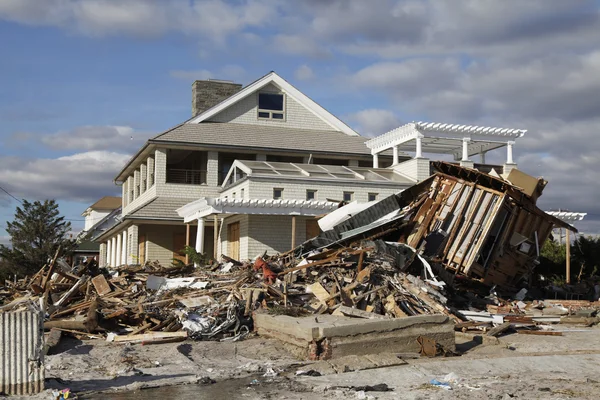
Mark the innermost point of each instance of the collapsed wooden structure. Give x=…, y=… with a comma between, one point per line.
x=474, y=224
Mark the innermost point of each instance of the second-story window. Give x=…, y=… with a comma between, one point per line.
x=348, y=196
x=311, y=194
x=277, y=194
x=271, y=106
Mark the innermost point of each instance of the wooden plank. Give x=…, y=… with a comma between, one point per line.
x=354, y=312
x=541, y=333
x=319, y=291
x=150, y=336
x=71, y=292
x=496, y=331
x=101, y=285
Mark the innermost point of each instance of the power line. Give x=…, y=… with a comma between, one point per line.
x=8, y=193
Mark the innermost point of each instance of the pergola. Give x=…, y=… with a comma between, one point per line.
x=568, y=217
x=462, y=141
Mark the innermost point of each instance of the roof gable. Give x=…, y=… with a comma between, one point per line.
x=273, y=79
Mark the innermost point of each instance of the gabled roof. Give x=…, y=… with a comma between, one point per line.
x=289, y=90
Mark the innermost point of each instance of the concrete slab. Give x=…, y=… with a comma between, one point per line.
x=332, y=336
x=352, y=363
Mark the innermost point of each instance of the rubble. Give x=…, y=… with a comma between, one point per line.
x=435, y=248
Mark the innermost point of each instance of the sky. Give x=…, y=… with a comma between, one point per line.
x=83, y=83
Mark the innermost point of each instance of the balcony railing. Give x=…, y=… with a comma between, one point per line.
x=186, y=176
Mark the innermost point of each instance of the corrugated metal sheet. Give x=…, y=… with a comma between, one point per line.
x=21, y=359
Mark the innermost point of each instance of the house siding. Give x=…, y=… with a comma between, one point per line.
x=159, y=242
x=223, y=240
x=296, y=115
x=257, y=189
x=273, y=233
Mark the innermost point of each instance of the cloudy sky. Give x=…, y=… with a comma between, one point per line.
x=83, y=83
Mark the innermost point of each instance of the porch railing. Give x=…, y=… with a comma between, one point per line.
x=186, y=176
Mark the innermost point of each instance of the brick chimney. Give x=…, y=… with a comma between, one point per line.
x=206, y=94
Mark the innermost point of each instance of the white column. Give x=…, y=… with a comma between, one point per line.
x=125, y=249
x=395, y=149
x=118, y=252
x=375, y=160
x=419, y=152
x=509, y=153
x=200, y=236
x=113, y=254
x=482, y=155
x=109, y=252
x=465, y=149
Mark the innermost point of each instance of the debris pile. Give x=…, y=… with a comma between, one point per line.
x=435, y=248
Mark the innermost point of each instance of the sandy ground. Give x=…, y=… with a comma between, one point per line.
x=517, y=366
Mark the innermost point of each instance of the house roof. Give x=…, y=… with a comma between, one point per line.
x=107, y=203
x=289, y=89
x=162, y=208
x=316, y=172
x=265, y=137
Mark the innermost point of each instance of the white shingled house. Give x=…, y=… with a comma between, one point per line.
x=255, y=165
x=268, y=121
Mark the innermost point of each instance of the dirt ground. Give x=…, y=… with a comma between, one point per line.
x=515, y=366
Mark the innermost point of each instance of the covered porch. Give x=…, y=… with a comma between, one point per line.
x=243, y=228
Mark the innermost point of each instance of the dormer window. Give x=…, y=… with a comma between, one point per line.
x=270, y=106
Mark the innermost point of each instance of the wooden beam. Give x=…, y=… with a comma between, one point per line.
x=568, y=248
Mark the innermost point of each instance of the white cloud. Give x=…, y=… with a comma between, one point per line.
x=373, y=122
x=87, y=138
x=212, y=19
x=304, y=73
x=82, y=177
x=230, y=72
x=5, y=240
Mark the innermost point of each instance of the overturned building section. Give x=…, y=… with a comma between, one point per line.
x=477, y=225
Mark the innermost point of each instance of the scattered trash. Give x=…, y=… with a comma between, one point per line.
x=441, y=385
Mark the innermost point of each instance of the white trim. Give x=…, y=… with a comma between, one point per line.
x=287, y=89
x=209, y=205
x=567, y=215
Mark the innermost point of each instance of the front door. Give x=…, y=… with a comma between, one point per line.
x=233, y=240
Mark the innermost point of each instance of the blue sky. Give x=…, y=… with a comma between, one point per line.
x=85, y=82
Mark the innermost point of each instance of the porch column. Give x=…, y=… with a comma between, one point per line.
x=419, y=150
x=375, y=160
x=125, y=249
x=465, y=149
x=509, y=152
x=113, y=254
x=108, y=252
x=200, y=237
x=216, y=236
x=482, y=155
x=118, y=252
x=395, y=150
x=293, y=231
x=187, y=243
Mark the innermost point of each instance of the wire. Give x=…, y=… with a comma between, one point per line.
x=8, y=193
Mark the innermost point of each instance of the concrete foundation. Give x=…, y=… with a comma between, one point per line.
x=324, y=337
